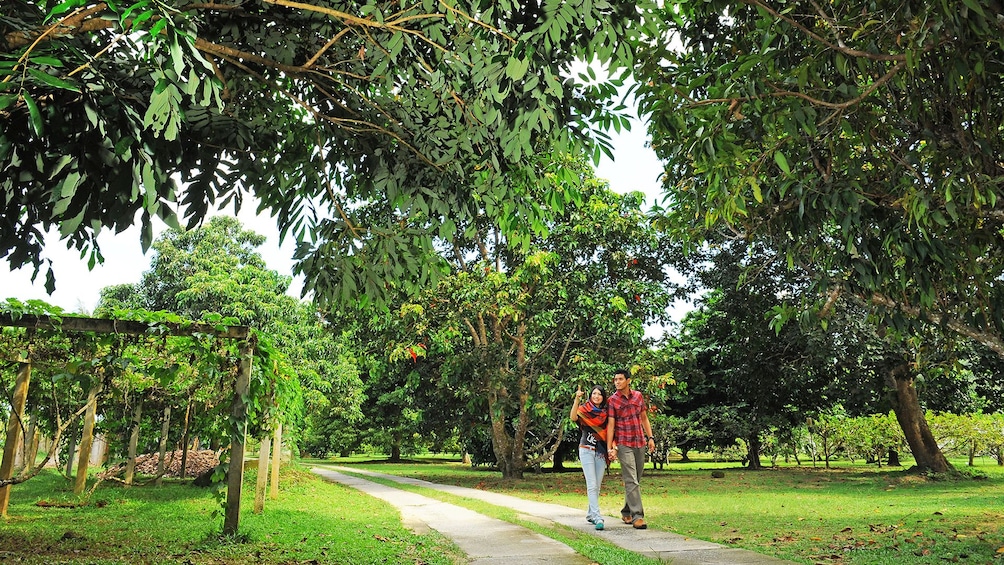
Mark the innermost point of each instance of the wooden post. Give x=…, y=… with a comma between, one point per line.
x=23, y=457
x=184, y=438
x=165, y=427
x=71, y=449
x=31, y=441
x=238, y=412
x=86, y=439
x=262, y=482
x=13, y=432
x=276, y=460
x=137, y=416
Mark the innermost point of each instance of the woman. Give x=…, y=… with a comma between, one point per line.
x=592, y=420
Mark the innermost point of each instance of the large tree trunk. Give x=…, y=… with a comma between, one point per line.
x=503, y=444
x=509, y=450
x=910, y=416
x=753, y=451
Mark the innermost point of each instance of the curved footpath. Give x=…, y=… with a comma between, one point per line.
x=488, y=541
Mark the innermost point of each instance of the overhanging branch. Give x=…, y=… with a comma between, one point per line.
x=991, y=340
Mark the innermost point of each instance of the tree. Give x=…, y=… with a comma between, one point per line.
x=857, y=139
x=517, y=327
x=433, y=109
x=748, y=378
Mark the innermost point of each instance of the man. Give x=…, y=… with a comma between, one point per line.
x=628, y=434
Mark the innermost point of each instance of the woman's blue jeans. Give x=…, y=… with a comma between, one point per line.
x=594, y=465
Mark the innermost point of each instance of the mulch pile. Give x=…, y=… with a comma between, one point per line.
x=198, y=462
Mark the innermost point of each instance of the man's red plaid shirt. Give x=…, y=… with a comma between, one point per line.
x=627, y=410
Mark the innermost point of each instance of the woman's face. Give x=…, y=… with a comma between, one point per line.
x=596, y=397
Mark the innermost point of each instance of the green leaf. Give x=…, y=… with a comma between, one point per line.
x=34, y=115
x=782, y=162
x=69, y=185
x=7, y=100
x=158, y=27
x=516, y=68
x=50, y=61
x=53, y=81
x=69, y=4
x=975, y=6
x=757, y=193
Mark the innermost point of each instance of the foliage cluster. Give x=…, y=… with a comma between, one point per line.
x=856, y=140
x=430, y=112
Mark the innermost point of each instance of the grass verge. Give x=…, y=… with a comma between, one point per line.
x=312, y=521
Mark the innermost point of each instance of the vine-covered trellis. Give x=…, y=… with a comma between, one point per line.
x=159, y=326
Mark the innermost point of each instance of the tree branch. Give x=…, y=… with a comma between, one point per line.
x=836, y=47
x=993, y=341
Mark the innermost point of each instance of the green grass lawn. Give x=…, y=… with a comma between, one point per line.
x=849, y=514
x=311, y=522
x=845, y=515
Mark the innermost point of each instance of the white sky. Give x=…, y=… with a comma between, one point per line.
x=635, y=167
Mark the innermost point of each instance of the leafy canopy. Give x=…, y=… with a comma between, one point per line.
x=859, y=139
x=117, y=112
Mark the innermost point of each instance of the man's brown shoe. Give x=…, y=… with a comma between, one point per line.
x=627, y=519
x=639, y=524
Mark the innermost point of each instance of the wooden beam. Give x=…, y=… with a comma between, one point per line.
x=130, y=327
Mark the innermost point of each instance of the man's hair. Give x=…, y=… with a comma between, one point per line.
x=625, y=372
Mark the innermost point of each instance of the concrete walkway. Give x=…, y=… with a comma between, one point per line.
x=491, y=541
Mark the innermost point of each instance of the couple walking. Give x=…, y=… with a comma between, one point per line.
x=614, y=427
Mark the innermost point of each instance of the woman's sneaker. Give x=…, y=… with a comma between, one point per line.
x=599, y=524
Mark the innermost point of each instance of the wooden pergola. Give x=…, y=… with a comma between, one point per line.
x=235, y=475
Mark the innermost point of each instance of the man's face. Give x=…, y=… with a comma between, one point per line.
x=621, y=382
